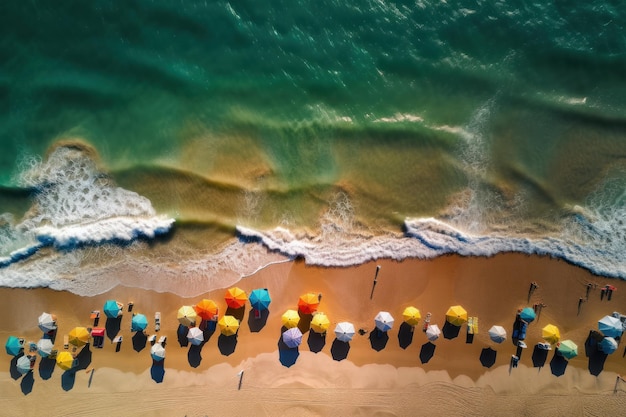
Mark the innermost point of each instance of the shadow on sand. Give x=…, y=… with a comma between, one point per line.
x=68, y=379
x=427, y=352
x=181, y=335
x=83, y=359
x=405, y=335
x=139, y=341
x=238, y=313
x=558, y=364
x=450, y=331
x=488, y=357
x=378, y=339
x=46, y=368
x=539, y=357
x=255, y=324
x=286, y=355
x=112, y=327
x=339, y=350
x=157, y=371
x=316, y=341
x=194, y=355
x=15, y=374
x=227, y=344
x=27, y=383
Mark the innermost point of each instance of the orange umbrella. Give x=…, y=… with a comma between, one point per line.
x=308, y=303
x=206, y=309
x=236, y=297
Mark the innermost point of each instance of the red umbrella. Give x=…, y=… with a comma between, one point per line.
x=206, y=309
x=236, y=297
x=307, y=304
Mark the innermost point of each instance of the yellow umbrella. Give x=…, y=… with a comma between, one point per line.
x=456, y=315
x=411, y=315
x=228, y=325
x=65, y=360
x=290, y=319
x=320, y=323
x=79, y=336
x=187, y=316
x=551, y=334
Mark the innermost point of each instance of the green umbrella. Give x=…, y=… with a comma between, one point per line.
x=568, y=349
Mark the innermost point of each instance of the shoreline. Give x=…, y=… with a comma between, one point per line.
x=492, y=289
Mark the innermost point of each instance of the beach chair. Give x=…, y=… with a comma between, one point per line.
x=130, y=306
x=53, y=354
x=152, y=338
x=95, y=314
x=426, y=322
x=162, y=340
x=157, y=321
x=66, y=342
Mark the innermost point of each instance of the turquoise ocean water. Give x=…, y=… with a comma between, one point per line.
x=186, y=136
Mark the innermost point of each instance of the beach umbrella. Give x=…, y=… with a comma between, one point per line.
x=187, y=316
x=138, y=323
x=44, y=347
x=228, y=325
x=290, y=318
x=384, y=321
x=195, y=336
x=433, y=332
x=157, y=351
x=497, y=334
x=550, y=333
x=608, y=345
x=79, y=336
x=206, y=309
x=568, y=349
x=320, y=323
x=308, y=303
x=411, y=315
x=23, y=364
x=456, y=315
x=47, y=322
x=13, y=346
x=292, y=337
x=235, y=297
x=260, y=299
x=527, y=314
x=610, y=326
x=111, y=309
x=344, y=331
x=65, y=360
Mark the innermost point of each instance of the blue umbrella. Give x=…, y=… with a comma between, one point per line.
x=139, y=323
x=608, y=345
x=527, y=314
x=610, y=326
x=13, y=346
x=111, y=309
x=260, y=299
x=292, y=337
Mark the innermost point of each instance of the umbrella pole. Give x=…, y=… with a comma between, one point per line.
x=375, y=280
x=240, y=380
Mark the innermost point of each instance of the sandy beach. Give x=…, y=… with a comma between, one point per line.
x=377, y=376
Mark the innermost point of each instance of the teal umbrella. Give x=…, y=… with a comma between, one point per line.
x=608, y=345
x=610, y=326
x=527, y=314
x=260, y=299
x=111, y=309
x=568, y=349
x=13, y=346
x=139, y=323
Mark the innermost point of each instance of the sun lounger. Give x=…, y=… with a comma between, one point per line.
x=152, y=338
x=162, y=339
x=95, y=315
x=117, y=339
x=66, y=342
x=157, y=321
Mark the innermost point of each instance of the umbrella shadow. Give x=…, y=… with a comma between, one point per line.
x=46, y=368
x=238, y=313
x=227, y=344
x=27, y=383
x=15, y=374
x=112, y=327
x=378, y=339
x=339, y=350
x=208, y=332
x=405, y=335
x=591, y=344
x=256, y=324
x=139, y=341
x=83, y=359
x=305, y=322
x=194, y=355
x=286, y=355
x=488, y=357
x=67, y=380
x=427, y=352
x=181, y=335
x=558, y=364
x=596, y=362
x=539, y=357
x=450, y=331
x=316, y=342
x=157, y=371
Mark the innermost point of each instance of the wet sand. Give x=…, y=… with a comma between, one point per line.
x=380, y=375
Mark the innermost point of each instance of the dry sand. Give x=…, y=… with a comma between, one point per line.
x=392, y=381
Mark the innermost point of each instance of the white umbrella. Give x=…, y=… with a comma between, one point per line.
x=47, y=322
x=344, y=331
x=195, y=336
x=157, y=351
x=497, y=334
x=23, y=364
x=433, y=332
x=44, y=347
x=384, y=321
